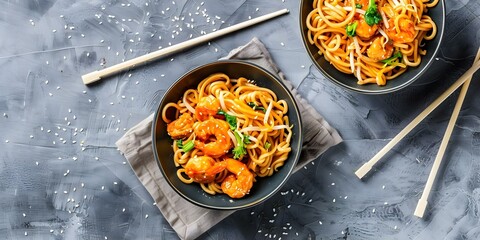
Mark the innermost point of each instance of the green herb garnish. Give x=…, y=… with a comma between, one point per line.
x=231, y=120
x=358, y=5
x=242, y=141
x=351, y=28
x=256, y=107
x=267, y=145
x=391, y=60
x=372, y=16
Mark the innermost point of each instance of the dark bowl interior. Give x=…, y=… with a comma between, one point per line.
x=349, y=81
x=264, y=187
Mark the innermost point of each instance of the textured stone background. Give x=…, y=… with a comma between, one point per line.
x=61, y=176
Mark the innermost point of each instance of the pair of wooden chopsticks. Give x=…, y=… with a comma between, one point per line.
x=97, y=75
x=465, y=80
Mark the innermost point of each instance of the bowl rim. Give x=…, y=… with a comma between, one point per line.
x=295, y=158
x=366, y=91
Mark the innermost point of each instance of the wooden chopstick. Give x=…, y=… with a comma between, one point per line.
x=423, y=201
x=97, y=75
x=365, y=168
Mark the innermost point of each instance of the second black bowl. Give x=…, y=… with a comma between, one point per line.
x=349, y=81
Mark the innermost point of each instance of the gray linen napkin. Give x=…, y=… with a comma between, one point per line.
x=188, y=220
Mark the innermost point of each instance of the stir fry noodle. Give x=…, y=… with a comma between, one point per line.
x=375, y=40
x=226, y=133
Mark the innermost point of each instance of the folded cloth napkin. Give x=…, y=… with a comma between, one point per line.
x=188, y=220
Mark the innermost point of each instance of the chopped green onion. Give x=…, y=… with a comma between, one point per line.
x=358, y=5
x=267, y=145
x=186, y=147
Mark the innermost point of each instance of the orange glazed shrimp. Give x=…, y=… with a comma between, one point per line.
x=217, y=128
x=206, y=107
x=405, y=33
x=203, y=169
x=377, y=51
x=238, y=184
x=364, y=30
x=182, y=127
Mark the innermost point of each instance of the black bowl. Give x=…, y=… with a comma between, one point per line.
x=162, y=143
x=349, y=81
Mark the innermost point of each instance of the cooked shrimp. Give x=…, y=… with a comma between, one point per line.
x=217, y=128
x=379, y=51
x=182, y=127
x=364, y=30
x=206, y=107
x=405, y=33
x=203, y=169
x=238, y=184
